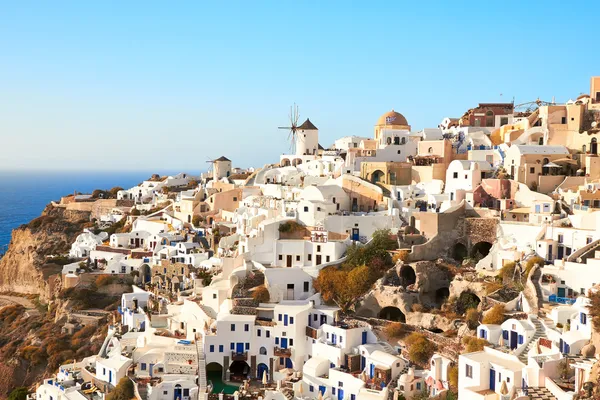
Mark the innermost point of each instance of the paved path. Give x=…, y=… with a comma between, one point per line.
x=25, y=302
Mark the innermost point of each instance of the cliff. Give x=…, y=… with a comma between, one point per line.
x=26, y=268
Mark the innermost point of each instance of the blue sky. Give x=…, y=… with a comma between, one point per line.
x=137, y=85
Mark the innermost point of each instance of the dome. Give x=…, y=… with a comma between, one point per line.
x=392, y=118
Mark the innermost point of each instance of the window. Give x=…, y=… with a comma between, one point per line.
x=327, y=258
x=560, y=238
x=503, y=121
x=268, y=333
x=318, y=248
x=143, y=367
x=214, y=295
x=469, y=371
x=263, y=351
x=165, y=392
x=315, y=317
x=277, y=341
x=280, y=257
x=246, y=327
x=532, y=170
x=489, y=119
x=508, y=379
x=455, y=175
x=279, y=317
x=291, y=342
x=352, y=397
x=332, y=390
x=563, y=120
x=418, y=385
x=311, y=388
x=212, y=348
x=297, y=258
x=232, y=327
x=309, y=257
x=291, y=320
x=232, y=346
x=234, y=198
x=305, y=209
x=340, y=384
x=221, y=348
x=247, y=346
x=306, y=286
x=258, y=332
x=583, y=318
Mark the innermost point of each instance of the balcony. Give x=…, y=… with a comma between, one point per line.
x=239, y=356
x=285, y=353
x=312, y=332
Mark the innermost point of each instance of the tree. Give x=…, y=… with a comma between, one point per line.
x=472, y=318
x=261, y=294
x=343, y=287
x=19, y=393
x=473, y=344
x=453, y=376
x=123, y=390
x=394, y=330
x=420, y=349
x=495, y=316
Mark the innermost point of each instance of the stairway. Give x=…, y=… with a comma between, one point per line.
x=202, y=384
x=288, y=393
x=539, y=333
x=388, y=348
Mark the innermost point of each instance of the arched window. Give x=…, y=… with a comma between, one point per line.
x=403, y=141
x=489, y=118
x=583, y=148
x=389, y=140
x=546, y=161
x=430, y=150
x=263, y=351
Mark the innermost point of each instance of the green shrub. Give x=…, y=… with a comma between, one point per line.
x=420, y=349
x=19, y=393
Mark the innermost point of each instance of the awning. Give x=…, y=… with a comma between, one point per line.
x=565, y=161
x=552, y=165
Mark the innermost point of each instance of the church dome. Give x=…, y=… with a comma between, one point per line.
x=392, y=118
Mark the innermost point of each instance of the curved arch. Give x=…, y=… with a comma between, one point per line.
x=441, y=295
x=145, y=273
x=377, y=176
x=214, y=371
x=407, y=276
x=261, y=369
x=239, y=368
x=285, y=162
x=489, y=118
x=467, y=300
x=459, y=252
x=263, y=351
x=389, y=140
x=481, y=250
x=296, y=161
x=392, y=313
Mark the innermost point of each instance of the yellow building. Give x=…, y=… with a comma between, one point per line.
x=386, y=173
x=390, y=120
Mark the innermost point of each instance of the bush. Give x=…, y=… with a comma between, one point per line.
x=532, y=262
x=508, y=270
x=420, y=349
x=400, y=255
x=453, y=376
x=472, y=318
x=473, y=344
x=197, y=220
x=290, y=226
x=123, y=390
x=261, y=294
x=495, y=315
x=19, y=393
x=394, y=330
x=105, y=280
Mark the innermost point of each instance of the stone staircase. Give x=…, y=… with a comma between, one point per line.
x=288, y=393
x=202, y=382
x=388, y=348
x=539, y=333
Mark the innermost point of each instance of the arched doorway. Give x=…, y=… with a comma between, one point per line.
x=441, y=295
x=297, y=161
x=377, y=176
x=467, y=300
x=407, y=276
x=285, y=162
x=459, y=252
x=239, y=369
x=481, y=250
x=214, y=372
x=261, y=369
x=392, y=314
x=594, y=146
x=145, y=273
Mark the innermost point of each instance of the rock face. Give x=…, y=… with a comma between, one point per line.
x=429, y=321
x=24, y=268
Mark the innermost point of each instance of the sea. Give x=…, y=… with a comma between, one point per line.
x=24, y=194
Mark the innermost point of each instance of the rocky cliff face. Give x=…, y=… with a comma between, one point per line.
x=25, y=268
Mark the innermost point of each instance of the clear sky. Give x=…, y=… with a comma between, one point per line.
x=140, y=85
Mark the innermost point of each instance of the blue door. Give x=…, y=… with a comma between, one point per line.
x=177, y=392
x=492, y=380
x=355, y=235
x=261, y=370
x=513, y=339
x=567, y=349
x=372, y=371
x=333, y=338
x=150, y=370
x=340, y=394
x=362, y=363
x=284, y=343
x=109, y=376
x=322, y=390
x=364, y=338
x=239, y=348
x=288, y=363
x=285, y=320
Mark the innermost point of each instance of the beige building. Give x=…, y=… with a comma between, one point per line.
x=390, y=120
x=541, y=168
x=386, y=173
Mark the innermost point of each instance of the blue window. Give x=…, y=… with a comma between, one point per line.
x=232, y=327
x=418, y=385
x=279, y=317
x=212, y=348
x=277, y=340
x=143, y=366
x=291, y=320
x=311, y=388
x=482, y=334
x=246, y=327
x=220, y=348
x=268, y=333
x=583, y=318
x=520, y=339
x=258, y=332
x=332, y=390
x=232, y=346
x=247, y=346
x=505, y=335
x=352, y=397
x=331, y=365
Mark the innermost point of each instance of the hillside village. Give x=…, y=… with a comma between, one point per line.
x=452, y=262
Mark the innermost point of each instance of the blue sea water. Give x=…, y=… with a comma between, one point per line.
x=24, y=194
